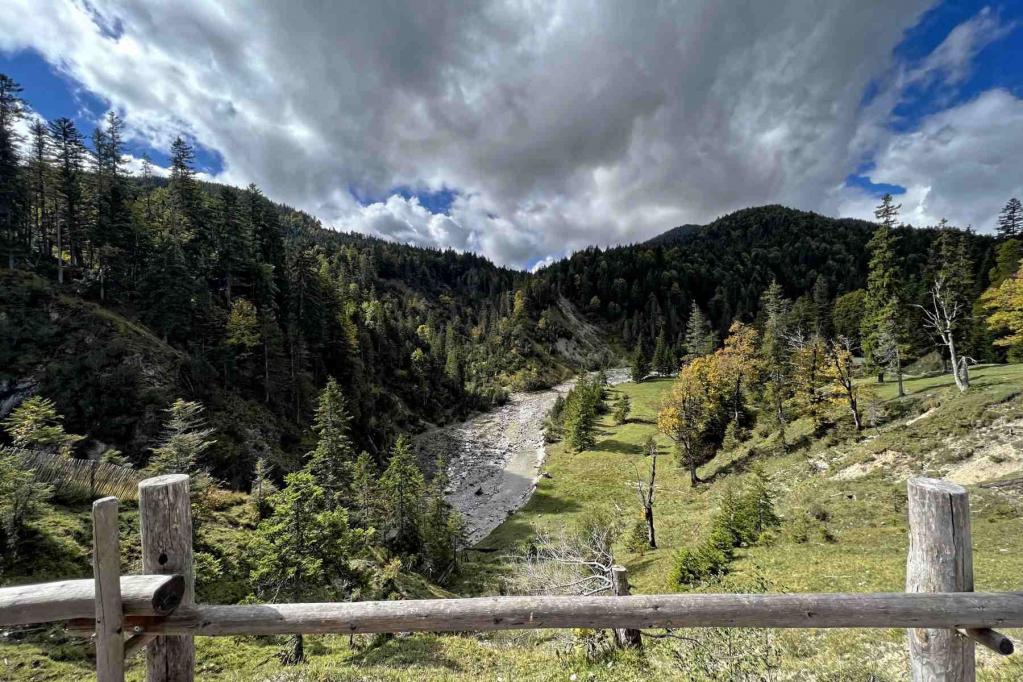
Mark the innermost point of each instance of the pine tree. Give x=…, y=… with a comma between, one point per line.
x=699, y=339
x=263, y=488
x=1008, y=255
x=1010, y=220
x=332, y=461
x=301, y=553
x=12, y=110
x=887, y=213
x=402, y=487
x=36, y=425
x=39, y=178
x=881, y=331
x=366, y=508
x=111, y=231
x=640, y=363
x=184, y=191
x=21, y=501
x=580, y=417
x=622, y=408
x=774, y=353
x=758, y=502
x=664, y=363
x=185, y=438
x=69, y=152
x=442, y=529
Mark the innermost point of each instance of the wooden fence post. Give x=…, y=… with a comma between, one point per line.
x=106, y=569
x=940, y=560
x=626, y=638
x=165, y=516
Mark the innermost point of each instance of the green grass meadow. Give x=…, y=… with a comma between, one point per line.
x=837, y=534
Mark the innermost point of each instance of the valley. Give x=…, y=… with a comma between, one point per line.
x=494, y=460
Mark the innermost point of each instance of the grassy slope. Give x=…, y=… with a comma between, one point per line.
x=866, y=518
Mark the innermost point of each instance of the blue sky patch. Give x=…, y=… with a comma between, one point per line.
x=51, y=94
x=997, y=65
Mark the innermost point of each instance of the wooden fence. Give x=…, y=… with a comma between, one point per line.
x=944, y=618
x=83, y=476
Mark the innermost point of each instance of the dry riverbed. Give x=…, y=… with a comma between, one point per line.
x=494, y=459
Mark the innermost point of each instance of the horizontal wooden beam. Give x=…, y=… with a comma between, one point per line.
x=831, y=610
x=992, y=639
x=141, y=595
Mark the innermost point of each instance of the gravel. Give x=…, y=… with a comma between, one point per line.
x=494, y=459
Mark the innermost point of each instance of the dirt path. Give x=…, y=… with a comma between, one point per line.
x=494, y=459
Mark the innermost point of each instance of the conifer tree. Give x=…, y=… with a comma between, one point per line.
x=36, y=425
x=812, y=380
x=39, y=178
x=580, y=418
x=758, y=502
x=332, y=461
x=774, y=353
x=1010, y=220
x=622, y=408
x=699, y=339
x=402, y=487
x=664, y=363
x=12, y=110
x=366, y=507
x=881, y=331
x=263, y=488
x=301, y=552
x=185, y=438
x=21, y=501
x=1008, y=255
x=442, y=529
x=640, y=362
x=69, y=152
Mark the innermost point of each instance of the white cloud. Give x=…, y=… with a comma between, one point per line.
x=961, y=164
x=559, y=124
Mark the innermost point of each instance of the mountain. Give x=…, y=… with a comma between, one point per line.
x=637, y=291
x=672, y=236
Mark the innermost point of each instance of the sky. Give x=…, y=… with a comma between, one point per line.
x=524, y=130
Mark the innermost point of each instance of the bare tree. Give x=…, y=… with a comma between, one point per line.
x=574, y=563
x=646, y=492
x=841, y=359
x=943, y=317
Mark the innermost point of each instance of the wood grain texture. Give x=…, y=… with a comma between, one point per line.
x=626, y=638
x=940, y=560
x=992, y=639
x=141, y=595
x=106, y=568
x=827, y=610
x=165, y=515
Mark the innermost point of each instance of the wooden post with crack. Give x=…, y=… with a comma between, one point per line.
x=165, y=516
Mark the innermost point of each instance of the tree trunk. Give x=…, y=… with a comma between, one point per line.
x=297, y=653
x=60, y=255
x=693, y=478
x=898, y=373
x=880, y=377
x=648, y=514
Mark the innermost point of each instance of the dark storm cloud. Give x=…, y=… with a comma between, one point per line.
x=558, y=124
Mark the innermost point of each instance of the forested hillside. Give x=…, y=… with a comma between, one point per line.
x=644, y=291
x=168, y=324
x=121, y=293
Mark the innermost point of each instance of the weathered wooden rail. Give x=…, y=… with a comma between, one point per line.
x=943, y=616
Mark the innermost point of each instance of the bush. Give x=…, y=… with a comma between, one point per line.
x=742, y=519
x=698, y=565
x=637, y=540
